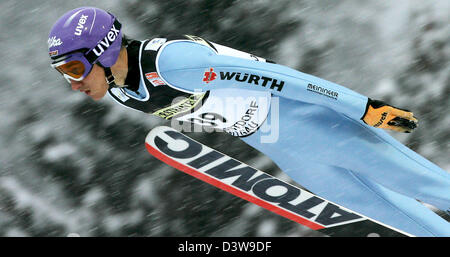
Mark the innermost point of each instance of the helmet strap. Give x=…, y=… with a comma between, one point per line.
x=109, y=77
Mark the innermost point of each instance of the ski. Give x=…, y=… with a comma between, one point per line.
x=294, y=203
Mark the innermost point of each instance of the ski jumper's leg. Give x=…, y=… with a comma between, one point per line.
x=368, y=198
x=311, y=135
x=385, y=160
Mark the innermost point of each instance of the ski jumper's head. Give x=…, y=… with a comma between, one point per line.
x=83, y=41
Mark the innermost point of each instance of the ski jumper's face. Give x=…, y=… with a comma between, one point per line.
x=94, y=85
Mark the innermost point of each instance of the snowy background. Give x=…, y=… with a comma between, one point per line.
x=69, y=165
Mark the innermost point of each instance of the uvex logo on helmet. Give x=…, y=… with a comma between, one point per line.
x=103, y=45
x=80, y=25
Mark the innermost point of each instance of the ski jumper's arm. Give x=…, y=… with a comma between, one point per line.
x=198, y=65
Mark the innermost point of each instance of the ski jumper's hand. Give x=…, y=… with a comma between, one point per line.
x=381, y=115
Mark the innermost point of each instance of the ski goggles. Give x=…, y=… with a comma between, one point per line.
x=73, y=66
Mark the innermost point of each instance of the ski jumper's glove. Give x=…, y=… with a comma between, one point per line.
x=381, y=115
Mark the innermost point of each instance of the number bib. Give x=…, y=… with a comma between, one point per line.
x=239, y=112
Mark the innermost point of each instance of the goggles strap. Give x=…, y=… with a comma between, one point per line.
x=91, y=54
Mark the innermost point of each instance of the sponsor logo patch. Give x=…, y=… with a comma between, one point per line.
x=253, y=79
x=323, y=91
x=53, y=53
x=153, y=78
x=155, y=44
x=119, y=94
x=53, y=41
x=179, y=107
x=209, y=75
